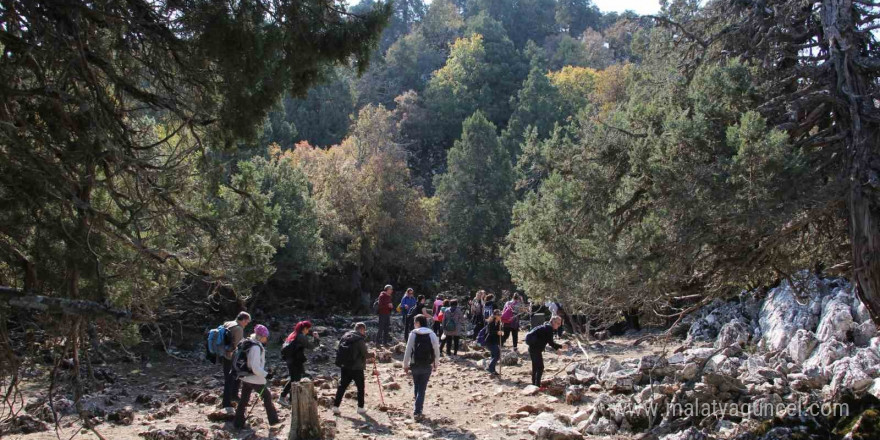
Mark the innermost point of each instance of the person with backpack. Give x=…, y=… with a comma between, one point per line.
x=294, y=354
x=351, y=358
x=453, y=320
x=510, y=320
x=488, y=306
x=438, y=324
x=537, y=340
x=406, y=303
x=477, y=313
x=420, y=357
x=250, y=365
x=232, y=332
x=435, y=313
x=493, y=340
x=383, y=333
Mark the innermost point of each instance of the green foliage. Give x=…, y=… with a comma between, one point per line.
x=538, y=105
x=474, y=201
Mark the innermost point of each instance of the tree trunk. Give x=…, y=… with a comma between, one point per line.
x=304, y=421
x=864, y=204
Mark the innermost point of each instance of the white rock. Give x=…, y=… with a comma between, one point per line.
x=863, y=333
x=826, y=354
x=530, y=390
x=603, y=426
x=688, y=434
x=836, y=320
x=547, y=427
x=609, y=366
x=801, y=345
x=782, y=315
x=579, y=417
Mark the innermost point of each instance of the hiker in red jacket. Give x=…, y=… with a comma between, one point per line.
x=383, y=334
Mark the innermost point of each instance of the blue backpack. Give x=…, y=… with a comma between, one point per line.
x=218, y=342
x=481, y=337
x=488, y=309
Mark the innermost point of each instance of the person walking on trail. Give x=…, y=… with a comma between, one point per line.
x=351, y=358
x=420, y=357
x=555, y=308
x=406, y=303
x=439, y=328
x=453, y=322
x=417, y=309
x=250, y=363
x=493, y=340
x=537, y=340
x=231, y=383
x=294, y=354
x=510, y=320
x=476, y=310
x=488, y=306
x=435, y=313
x=383, y=333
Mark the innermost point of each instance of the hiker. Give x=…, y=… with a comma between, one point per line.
x=554, y=311
x=510, y=320
x=294, y=354
x=351, y=358
x=453, y=321
x=420, y=357
x=250, y=365
x=488, y=306
x=406, y=303
x=537, y=340
x=477, y=313
x=436, y=309
x=383, y=333
x=493, y=340
x=417, y=309
x=235, y=330
x=438, y=324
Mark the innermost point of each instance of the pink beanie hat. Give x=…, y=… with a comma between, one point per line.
x=261, y=330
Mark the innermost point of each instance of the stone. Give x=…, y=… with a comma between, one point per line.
x=510, y=360
x=578, y=417
x=826, y=354
x=609, y=366
x=622, y=381
x=393, y=386
x=547, y=427
x=603, y=426
x=688, y=371
x=734, y=332
x=801, y=345
x=836, y=320
x=863, y=333
x=122, y=416
x=781, y=314
x=688, y=434
x=384, y=357
x=530, y=390
x=574, y=394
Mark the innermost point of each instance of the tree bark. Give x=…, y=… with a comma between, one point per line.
x=64, y=306
x=852, y=87
x=304, y=421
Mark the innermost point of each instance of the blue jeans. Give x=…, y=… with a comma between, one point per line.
x=495, y=350
x=420, y=387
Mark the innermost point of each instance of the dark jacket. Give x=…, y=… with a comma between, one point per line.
x=492, y=337
x=415, y=310
x=543, y=336
x=360, y=349
x=385, y=305
x=297, y=353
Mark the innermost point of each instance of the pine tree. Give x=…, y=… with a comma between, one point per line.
x=475, y=197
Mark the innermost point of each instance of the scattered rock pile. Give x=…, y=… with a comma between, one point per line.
x=743, y=362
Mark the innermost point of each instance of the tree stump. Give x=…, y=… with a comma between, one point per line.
x=304, y=421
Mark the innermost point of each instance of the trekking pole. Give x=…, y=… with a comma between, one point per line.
x=378, y=381
x=259, y=398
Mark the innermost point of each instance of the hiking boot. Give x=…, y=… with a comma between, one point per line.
x=362, y=411
x=418, y=417
x=283, y=402
x=336, y=411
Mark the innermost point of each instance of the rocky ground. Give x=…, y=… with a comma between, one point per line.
x=739, y=369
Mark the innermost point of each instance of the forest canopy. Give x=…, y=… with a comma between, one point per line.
x=318, y=151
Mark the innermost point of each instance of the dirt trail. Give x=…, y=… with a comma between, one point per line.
x=463, y=401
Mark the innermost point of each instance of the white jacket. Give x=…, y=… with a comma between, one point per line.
x=411, y=344
x=256, y=362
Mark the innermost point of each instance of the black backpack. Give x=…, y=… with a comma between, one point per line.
x=240, y=358
x=289, y=350
x=423, y=350
x=345, y=353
